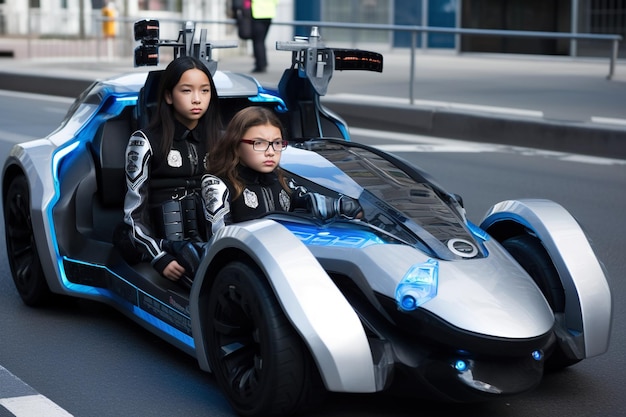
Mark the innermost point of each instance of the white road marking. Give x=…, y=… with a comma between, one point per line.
x=34, y=96
x=438, y=104
x=33, y=406
x=421, y=143
x=608, y=120
x=23, y=401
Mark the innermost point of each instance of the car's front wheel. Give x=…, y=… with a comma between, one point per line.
x=22, y=253
x=530, y=253
x=257, y=357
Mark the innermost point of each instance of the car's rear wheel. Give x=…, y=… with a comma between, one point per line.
x=22, y=253
x=534, y=258
x=256, y=355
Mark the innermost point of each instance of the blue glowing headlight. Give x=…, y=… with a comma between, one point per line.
x=418, y=285
x=461, y=365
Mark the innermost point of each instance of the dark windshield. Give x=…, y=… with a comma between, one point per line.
x=397, y=197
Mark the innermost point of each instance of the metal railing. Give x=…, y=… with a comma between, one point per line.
x=126, y=40
x=417, y=30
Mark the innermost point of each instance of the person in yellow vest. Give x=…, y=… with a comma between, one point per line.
x=263, y=11
x=109, y=26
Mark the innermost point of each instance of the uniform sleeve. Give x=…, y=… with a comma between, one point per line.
x=324, y=207
x=215, y=202
x=138, y=160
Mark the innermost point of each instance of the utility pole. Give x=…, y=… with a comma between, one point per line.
x=81, y=19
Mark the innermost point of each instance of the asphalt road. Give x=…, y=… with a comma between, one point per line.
x=91, y=361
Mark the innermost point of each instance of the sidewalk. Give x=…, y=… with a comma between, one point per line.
x=556, y=103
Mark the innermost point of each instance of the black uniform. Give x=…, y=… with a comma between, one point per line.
x=262, y=193
x=160, y=203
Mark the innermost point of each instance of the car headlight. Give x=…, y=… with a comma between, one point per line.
x=418, y=285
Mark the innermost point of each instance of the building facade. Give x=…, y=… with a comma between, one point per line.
x=79, y=18
x=574, y=16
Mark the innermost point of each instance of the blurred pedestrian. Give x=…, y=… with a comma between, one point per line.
x=263, y=11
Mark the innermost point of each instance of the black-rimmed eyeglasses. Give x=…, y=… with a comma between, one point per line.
x=261, y=145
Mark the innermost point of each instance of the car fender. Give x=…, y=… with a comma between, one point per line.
x=34, y=159
x=588, y=307
x=311, y=301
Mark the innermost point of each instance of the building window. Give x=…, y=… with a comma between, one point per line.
x=607, y=16
x=164, y=5
x=356, y=11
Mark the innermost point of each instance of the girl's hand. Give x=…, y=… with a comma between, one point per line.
x=173, y=271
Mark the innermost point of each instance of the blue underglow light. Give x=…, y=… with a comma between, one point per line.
x=333, y=236
x=537, y=355
x=57, y=158
x=418, y=285
x=270, y=98
x=127, y=306
x=460, y=365
x=408, y=303
x=477, y=231
x=574, y=332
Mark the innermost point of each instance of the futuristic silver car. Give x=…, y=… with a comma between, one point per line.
x=412, y=298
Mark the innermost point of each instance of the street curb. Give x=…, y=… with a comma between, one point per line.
x=42, y=84
x=581, y=138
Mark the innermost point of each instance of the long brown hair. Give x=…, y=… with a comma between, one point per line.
x=224, y=157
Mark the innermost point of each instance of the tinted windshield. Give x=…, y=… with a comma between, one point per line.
x=395, y=196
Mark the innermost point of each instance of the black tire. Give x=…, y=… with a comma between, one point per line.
x=22, y=253
x=257, y=357
x=533, y=257
x=530, y=253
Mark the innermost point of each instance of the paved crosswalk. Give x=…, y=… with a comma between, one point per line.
x=21, y=400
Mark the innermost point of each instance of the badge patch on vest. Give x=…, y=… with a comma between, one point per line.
x=250, y=199
x=131, y=162
x=285, y=200
x=215, y=195
x=174, y=158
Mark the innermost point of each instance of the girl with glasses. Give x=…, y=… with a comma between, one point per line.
x=245, y=180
